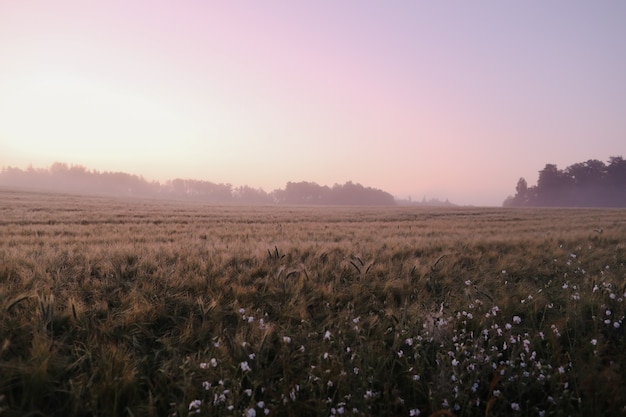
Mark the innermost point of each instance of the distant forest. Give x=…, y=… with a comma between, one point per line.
x=61, y=177
x=584, y=184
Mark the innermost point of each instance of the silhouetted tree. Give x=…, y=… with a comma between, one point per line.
x=199, y=190
x=348, y=194
x=585, y=184
x=302, y=193
x=616, y=181
x=356, y=194
x=249, y=195
x=552, y=186
x=616, y=171
x=588, y=186
x=587, y=173
x=76, y=178
x=521, y=195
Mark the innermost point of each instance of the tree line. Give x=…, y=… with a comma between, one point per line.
x=62, y=177
x=585, y=184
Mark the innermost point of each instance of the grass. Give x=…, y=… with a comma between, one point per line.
x=134, y=307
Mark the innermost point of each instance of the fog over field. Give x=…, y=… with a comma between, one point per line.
x=444, y=100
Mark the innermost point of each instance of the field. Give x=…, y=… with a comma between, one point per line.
x=112, y=307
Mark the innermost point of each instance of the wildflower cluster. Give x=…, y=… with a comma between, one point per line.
x=478, y=360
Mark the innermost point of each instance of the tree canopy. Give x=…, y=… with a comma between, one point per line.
x=585, y=184
x=78, y=179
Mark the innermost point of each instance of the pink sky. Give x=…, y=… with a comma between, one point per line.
x=443, y=99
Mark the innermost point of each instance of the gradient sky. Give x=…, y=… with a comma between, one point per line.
x=443, y=99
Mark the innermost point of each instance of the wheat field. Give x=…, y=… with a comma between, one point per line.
x=113, y=307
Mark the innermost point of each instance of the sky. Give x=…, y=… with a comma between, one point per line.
x=439, y=99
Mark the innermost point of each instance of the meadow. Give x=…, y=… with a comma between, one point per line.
x=113, y=307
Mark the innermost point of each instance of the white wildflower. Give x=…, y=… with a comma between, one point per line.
x=195, y=405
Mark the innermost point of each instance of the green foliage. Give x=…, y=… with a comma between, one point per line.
x=114, y=307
